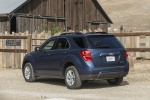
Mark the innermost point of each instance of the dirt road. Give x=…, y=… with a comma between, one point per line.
x=136, y=86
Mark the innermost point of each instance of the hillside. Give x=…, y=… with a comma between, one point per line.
x=132, y=14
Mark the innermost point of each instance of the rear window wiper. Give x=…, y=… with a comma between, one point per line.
x=103, y=46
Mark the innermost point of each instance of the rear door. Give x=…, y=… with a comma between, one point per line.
x=61, y=51
x=106, y=51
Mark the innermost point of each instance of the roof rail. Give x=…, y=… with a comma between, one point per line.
x=75, y=33
x=96, y=33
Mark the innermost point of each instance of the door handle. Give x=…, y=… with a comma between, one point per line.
x=48, y=54
x=64, y=52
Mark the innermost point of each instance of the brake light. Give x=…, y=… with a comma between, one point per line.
x=126, y=54
x=86, y=55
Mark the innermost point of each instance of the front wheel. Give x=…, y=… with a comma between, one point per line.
x=72, y=78
x=116, y=81
x=28, y=73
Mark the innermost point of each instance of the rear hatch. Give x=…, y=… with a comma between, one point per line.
x=106, y=51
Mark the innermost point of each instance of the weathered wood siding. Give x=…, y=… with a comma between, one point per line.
x=44, y=8
x=4, y=25
x=30, y=24
x=77, y=13
x=54, y=8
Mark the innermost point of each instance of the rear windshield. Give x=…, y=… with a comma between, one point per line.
x=103, y=41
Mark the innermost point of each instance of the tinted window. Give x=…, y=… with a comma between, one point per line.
x=80, y=42
x=62, y=43
x=103, y=41
x=49, y=45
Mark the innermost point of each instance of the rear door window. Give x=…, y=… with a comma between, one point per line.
x=104, y=41
x=62, y=43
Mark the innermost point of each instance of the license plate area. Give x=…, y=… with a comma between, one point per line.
x=110, y=58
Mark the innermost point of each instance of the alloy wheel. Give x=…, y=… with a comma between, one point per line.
x=70, y=78
x=27, y=72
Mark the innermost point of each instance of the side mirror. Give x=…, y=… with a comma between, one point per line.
x=36, y=48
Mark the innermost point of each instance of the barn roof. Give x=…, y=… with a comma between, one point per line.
x=8, y=6
x=97, y=4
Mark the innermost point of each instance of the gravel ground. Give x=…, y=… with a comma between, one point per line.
x=136, y=86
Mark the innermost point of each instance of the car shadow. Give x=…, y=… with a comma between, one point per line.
x=100, y=84
x=59, y=82
x=85, y=85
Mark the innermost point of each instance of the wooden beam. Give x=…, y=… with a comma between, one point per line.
x=39, y=39
x=132, y=34
x=36, y=45
x=138, y=49
x=29, y=43
x=13, y=37
x=14, y=50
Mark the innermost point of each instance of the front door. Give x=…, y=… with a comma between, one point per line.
x=45, y=59
x=50, y=57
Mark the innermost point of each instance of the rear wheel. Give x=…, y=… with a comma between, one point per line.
x=116, y=81
x=72, y=78
x=28, y=73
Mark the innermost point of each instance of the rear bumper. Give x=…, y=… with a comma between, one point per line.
x=103, y=75
x=92, y=73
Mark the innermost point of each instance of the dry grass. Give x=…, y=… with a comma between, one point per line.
x=132, y=14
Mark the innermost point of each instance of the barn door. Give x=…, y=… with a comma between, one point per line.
x=13, y=25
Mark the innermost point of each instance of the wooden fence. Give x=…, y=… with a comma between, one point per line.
x=13, y=47
x=138, y=44
x=38, y=39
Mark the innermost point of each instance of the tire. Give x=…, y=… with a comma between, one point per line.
x=116, y=81
x=28, y=73
x=72, y=78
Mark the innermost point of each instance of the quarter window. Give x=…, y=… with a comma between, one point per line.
x=80, y=42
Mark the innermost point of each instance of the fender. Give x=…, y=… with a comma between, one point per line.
x=30, y=59
x=73, y=59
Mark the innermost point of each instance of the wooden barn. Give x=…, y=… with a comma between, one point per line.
x=39, y=15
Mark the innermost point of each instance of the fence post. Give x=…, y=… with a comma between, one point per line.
x=29, y=43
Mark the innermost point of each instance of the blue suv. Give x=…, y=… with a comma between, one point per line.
x=77, y=57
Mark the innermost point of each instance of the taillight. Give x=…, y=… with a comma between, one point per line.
x=126, y=54
x=86, y=55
